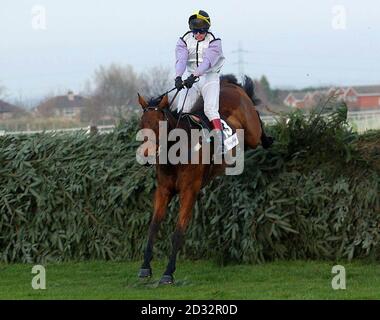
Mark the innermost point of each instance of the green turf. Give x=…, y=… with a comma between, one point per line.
x=194, y=280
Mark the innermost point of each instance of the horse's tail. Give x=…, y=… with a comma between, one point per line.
x=248, y=86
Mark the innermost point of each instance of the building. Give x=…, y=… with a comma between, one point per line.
x=295, y=100
x=357, y=98
x=362, y=98
x=8, y=111
x=66, y=106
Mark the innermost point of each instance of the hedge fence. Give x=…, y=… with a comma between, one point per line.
x=313, y=195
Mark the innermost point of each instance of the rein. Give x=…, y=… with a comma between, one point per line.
x=165, y=110
x=180, y=113
x=167, y=92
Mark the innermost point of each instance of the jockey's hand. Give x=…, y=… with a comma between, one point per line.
x=188, y=83
x=179, y=83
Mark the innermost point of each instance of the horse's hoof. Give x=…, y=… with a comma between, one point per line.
x=167, y=279
x=145, y=273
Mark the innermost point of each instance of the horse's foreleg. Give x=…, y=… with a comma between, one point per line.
x=187, y=200
x=161, y=200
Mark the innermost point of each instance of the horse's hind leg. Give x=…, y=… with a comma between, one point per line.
x=188, y=196
x=161, y=200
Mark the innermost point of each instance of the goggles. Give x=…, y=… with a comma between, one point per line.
x=201, y=31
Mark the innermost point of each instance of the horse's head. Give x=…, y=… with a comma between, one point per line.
x=153, y=113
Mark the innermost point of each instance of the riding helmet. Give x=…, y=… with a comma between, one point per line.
x=199, y=20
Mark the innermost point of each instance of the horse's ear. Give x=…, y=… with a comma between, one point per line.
x=164, y=102
x=142, y=101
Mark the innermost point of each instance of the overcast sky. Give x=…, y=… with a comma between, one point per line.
x=296, y=43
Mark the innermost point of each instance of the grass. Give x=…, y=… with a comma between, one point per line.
x=194, y=280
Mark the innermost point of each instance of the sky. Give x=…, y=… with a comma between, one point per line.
x=52, y=46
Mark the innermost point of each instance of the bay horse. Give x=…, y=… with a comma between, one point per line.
x=186, y=180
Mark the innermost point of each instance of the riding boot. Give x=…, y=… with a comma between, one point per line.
x=219, y=138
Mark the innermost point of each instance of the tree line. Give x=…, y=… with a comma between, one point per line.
x=112, y=91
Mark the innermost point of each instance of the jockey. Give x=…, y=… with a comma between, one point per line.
x=200, y=52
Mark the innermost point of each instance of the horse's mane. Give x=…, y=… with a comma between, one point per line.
x=154, y=101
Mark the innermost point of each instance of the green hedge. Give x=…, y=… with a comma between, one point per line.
x=314, y=194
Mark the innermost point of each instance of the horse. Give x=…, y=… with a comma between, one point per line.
x=237, y=106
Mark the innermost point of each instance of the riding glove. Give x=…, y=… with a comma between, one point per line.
x=179, y=83
x=188, y=83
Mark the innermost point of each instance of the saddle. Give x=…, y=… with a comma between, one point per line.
x=198, y=119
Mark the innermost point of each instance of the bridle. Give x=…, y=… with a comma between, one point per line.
x=163, y=110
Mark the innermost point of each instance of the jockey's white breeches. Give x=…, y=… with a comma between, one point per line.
x=208, y=87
